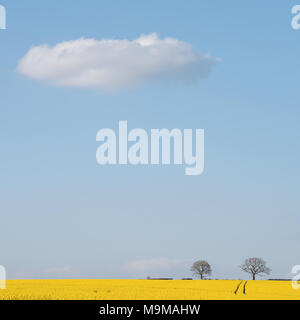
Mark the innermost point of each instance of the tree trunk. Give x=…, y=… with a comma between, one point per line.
x=201, y=276
x=253, y=276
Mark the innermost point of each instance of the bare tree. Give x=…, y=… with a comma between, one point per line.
x=201, y=268
x=255, y=266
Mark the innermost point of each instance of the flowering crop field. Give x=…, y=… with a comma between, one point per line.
x=148, y=290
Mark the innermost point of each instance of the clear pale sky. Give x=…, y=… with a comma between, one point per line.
x=64, y=216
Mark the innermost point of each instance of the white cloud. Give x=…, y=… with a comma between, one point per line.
x=115, y=64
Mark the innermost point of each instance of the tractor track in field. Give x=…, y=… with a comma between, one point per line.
x=242, y=284
x=237, y=288
x=244, y=287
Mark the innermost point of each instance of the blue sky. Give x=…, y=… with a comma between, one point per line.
x=62, y=215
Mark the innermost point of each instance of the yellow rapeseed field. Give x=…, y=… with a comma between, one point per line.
x=147, y=290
